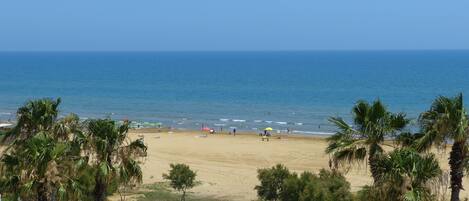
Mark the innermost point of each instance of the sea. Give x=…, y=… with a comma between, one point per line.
x=286, y=90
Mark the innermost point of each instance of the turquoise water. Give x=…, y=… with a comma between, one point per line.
x=247, y=90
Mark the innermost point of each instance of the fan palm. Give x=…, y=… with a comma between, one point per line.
x=67, y=127
x=447, y=120
x=41, y=169
x=114, y=154
x=407, y=139
x=34, y=116
x=10, y=177
x=372, y=124
x=404, y=174
x=42, y=142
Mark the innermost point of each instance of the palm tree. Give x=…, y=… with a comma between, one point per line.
x=447, y=120
x=372, y=124
x=34, y=116
x=67, y=127
x=10, y=177
x=404, y=175
x=114, y=154
x=42, y=147
x=41, y=169
x=407, y=139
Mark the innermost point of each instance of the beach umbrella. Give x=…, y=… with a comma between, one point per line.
x=268, y=129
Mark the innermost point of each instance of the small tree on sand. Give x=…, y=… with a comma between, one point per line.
x=181, y=178
x=271, y=180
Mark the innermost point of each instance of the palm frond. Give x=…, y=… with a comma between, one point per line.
x=342, y=125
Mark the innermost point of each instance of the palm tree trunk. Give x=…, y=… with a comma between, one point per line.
x=100, y=189
x=373, y=167
x=372, y=158
x=456, y=164
x=183, y=197
x=42, y=192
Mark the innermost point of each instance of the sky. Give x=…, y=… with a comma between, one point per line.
x=232, y=25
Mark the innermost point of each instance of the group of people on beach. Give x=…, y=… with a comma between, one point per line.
x=265, y=135
x=212, y=130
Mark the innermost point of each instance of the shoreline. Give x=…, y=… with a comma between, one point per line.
x=227, y=133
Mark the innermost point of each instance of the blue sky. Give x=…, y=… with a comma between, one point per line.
x=208, y=25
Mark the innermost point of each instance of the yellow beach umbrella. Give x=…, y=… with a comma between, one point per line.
x=268, y=129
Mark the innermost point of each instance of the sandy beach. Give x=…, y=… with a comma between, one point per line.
x=226, y=165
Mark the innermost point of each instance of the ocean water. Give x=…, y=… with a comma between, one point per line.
x=246, y=90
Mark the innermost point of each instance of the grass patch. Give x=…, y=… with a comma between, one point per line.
x=162, y=192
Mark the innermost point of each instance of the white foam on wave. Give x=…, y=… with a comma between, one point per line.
x=239, y=120
x=281, y=122
x=299, y=124
x=219, y=124
x=258, y=121
x=5, y=113
x=269, y=122
x=224, y=119
x=312, y=132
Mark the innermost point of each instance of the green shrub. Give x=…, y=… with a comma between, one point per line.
x=370, y=193
x=335, y=185
x=277, y=183
x=313, y=191
x=181, y=178
x=162, y=192
x=271, y=182
x=291, y=188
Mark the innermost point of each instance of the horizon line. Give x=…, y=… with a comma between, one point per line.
x=286, y=50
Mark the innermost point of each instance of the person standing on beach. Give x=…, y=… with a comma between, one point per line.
x=234, y=131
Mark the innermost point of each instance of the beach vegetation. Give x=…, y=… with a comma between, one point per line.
x=405, y=174
x=372, y=124
x=277, y=183
x=50, y=158
x=181, y=178
x=114, y=155
x=34, y=117
x=328, y=186
x=447, y=120
x=407, y=139
x=271, y=181
x=163, y=191
x=37, y=164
